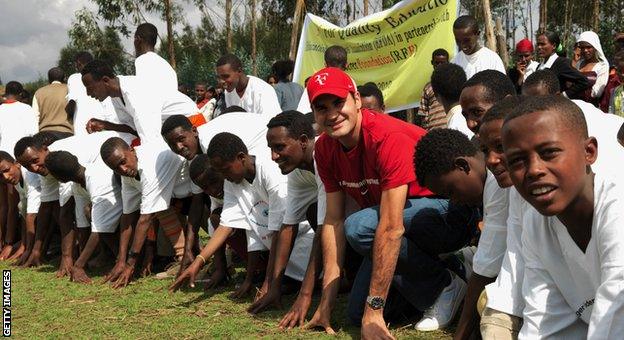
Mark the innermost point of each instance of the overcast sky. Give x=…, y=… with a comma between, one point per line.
x=32, y=32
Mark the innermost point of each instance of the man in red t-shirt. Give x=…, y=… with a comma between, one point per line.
x=401, y=228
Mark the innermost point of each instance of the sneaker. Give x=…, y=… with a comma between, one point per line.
x=443, y=310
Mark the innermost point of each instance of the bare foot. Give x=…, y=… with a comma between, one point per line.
x=65, y=267
x=6, y=252
x=20, y=250
x=79, y=275
x=34, y=260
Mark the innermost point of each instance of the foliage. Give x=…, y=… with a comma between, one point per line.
x=85, y=34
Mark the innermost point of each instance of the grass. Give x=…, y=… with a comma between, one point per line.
x=44, y=306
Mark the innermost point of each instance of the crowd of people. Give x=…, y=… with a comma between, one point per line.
x=503, y=201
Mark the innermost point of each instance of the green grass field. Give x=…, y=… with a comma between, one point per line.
x=44, y=306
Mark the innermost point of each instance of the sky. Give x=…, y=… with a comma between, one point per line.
x=32, y=32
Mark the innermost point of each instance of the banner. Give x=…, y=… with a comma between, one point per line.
x=391, y=48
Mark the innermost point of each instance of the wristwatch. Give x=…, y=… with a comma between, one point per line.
x=375, y=302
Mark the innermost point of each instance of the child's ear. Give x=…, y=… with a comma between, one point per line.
x=462, y=164
x=591, y=150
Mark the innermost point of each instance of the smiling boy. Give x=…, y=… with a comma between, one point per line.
x=572, y=238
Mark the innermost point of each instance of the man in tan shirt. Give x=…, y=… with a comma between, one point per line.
x=49, y=104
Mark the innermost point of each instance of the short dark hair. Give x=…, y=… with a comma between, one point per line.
x=553, y=37
x=98, y=69
x=547, y=78
x=83, y=57
x=5, y=156
x=440, y=52
x=466, y=21
x=436, y=153
x=570, y=113
x=233, y=108
x=226, y=146
x=112, y=144
x=62, y=164
x=37, y=142
x=448, y=80
x=501, y=109
x=21, y=146
x=174, y=122
x=200, y=166
x=283, y=68
x=336, y=56
x=371, y=89
x=496, y=84
x=56, y=74
x=147, y=32
x=295, y=122
x=14, y=88
x=230, y=59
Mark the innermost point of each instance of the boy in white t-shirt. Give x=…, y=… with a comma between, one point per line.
x=149, y=175
x=251, y=93
x=94, y=183
x=450, y=165
x=472, y=57
x=572, y=240
x=28, y=186
x=447, y=81
x=254, y=200
x=290, y=136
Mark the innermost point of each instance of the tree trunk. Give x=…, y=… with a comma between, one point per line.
x=228, y=24
x=490, y=40
x=502, y=42
x=295, y=29
x=365, y=7
x=543, y=18
x=596, y=16
x=170, y=48
x=530, y=10
x=254, y=65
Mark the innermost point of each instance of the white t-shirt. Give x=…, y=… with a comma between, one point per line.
x=259, y=207
x=155, y=70
x=532, y=67
x=159, y=169
x=304, y=103
x=457, y=121
x=250, y=128
x=492, y=243
x=144, y=108
x=482, y=59
x=259, y=97
x=17, y=120
x=569, y=292
x=104, y=192
x=29, y=191
x=605, y=128
x=184, y=187
x=86, y=107
x=304, y=188
x=505, y=294
x=86, y=148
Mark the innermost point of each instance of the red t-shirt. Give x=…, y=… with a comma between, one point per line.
x=382, y=160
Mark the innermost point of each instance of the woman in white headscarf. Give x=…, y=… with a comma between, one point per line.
x=593, y=64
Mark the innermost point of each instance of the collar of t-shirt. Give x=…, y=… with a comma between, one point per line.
x=549, y=62
x=56, y=82
x=475, y=56
x=9, y=101
x=453, y=111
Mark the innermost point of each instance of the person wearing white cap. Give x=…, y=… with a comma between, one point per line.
x=593, y=64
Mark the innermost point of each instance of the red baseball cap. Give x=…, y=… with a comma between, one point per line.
x=330, y=80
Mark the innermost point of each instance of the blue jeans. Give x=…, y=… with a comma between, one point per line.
x=432, y=226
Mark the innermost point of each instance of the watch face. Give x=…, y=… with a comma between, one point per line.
x=376, y=302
